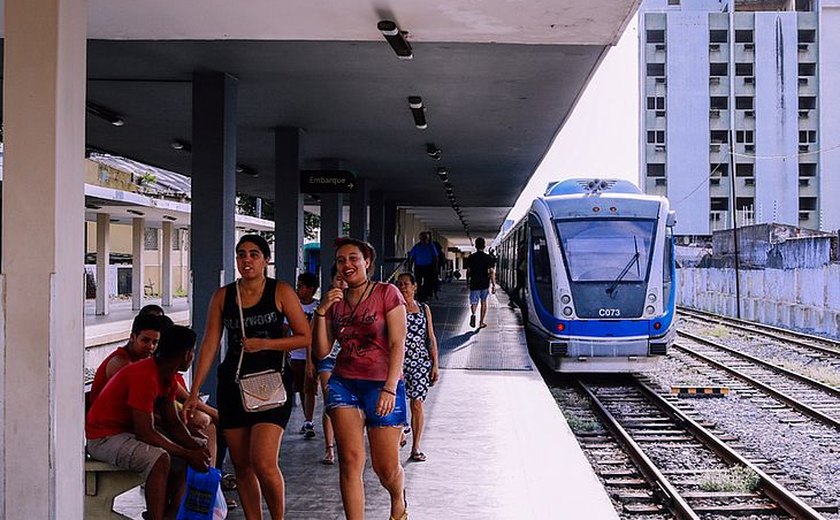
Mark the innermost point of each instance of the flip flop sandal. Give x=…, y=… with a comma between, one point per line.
x=418, y=456
x=329, y=458
x=228, y=482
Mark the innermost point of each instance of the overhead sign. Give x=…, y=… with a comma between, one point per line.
x=327, y=181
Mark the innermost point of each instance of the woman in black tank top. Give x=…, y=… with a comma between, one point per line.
x=252, y=437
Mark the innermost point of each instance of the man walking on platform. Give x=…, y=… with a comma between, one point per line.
x=424, y=257
x=480, y=277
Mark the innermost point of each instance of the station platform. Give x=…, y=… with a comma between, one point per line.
x=498, y=447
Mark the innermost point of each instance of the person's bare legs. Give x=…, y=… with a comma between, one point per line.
x=238, y=440
x=265, y=449
x=176, y=485
x=349, y=434
x=310, y=388
x=156, y=484
x=385, y=459
x=329, y=436
x=416, y=424
x=483, y=312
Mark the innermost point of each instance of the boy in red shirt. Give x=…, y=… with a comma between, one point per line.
x=121, y=428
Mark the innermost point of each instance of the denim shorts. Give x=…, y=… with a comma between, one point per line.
x=364, y=394
x=478, y=294
x=325, y=365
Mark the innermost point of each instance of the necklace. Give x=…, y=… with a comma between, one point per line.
x=355, y=307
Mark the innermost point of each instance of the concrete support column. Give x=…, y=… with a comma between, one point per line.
x=166, y=265
x=42, y=342
x=331, y=213
x=390, y=229
x=138, y=238
x=288, y=205
x=213, y=194
x=377, y=227
x=359, y=210
x=103, y=260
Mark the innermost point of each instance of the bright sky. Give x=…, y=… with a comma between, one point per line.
x=601, y=137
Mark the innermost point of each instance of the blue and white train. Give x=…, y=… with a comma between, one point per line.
x=592, y=268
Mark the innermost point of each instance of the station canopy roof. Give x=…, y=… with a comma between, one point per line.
x=497, y=80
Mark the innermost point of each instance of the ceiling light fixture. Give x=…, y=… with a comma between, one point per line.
x=135, y=212
x=93, y=206
x=180, y=145
x=442, y=173
x=105, y=114
x=169, y=217
x=418, y=111
x=395, y=38
x=433, y=151
x=247, y=170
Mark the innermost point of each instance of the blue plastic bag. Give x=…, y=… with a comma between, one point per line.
x=200, y=496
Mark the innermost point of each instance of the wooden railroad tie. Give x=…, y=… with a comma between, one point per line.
x=700, y=391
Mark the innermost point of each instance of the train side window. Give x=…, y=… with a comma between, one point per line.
x=541, y=264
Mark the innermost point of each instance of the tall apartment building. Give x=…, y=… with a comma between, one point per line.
x=752, y=78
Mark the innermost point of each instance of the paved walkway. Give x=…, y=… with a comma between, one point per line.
x=498, y=447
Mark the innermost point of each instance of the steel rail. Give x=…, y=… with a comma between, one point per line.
x=796, y=338
x=790, y=401
x=788, y=501
x=835, y=392
x=659, y=482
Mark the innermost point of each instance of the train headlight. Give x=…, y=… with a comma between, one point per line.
x=567, y=311
x=651, y=297
x=565, y=299
x=650, y=309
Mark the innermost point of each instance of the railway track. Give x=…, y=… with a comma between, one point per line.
x=659, y=462
x=815, y=345
x=809, y=397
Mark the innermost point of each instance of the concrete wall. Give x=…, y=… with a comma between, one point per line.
x=806, y=299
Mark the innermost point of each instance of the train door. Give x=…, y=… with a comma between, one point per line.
x=543, y=294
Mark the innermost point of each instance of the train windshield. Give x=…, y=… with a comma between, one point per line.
x=607, y=250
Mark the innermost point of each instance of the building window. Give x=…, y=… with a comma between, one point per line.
x=807, y=103
x=718, y=102
x=807, y=203
x=807, y=35
x=807, y=69
x=807, y=136
x=719, y=203
x=150, y=239
x=656, y=136
x=745, y=170
x=176, y=239
x=656, y=69
x=743, y=69
x=655, y=36
x=656, y=170
x=718, y=69
x=656, y=103
x=718, y=170
x=744, y=102
x=673, y=2
x=744, y=136
x=718, y=36
x=719, y=136
x=744, y=203
x=808, y=170
x=743, y=36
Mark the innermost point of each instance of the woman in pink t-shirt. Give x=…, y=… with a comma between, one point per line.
x=366, y=388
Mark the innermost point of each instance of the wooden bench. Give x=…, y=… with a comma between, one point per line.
x=103, y=482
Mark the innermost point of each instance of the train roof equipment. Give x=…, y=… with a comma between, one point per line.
x=590, y=187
